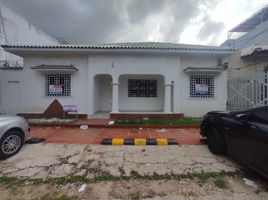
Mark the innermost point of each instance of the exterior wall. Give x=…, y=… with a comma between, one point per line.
x=88, y=92
x=242, y=68
x=145, y=104
x=103, y=93
x=166, y=65
x=197, y=107
x=32, y=97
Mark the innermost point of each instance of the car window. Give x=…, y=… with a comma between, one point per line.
x=260, y=116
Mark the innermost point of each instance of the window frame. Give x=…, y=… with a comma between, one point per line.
x=64, y=79
x=207, y=79
x=147, y=88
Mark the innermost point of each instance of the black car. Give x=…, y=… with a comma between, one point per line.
x=243, y=135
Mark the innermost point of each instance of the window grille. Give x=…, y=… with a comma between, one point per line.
x=202, y=86
x=142, y=88
x=57, y=85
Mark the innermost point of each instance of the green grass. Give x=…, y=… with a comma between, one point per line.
x=184, y=120
x=220, y=182
x=135, y=195
x=16, y=182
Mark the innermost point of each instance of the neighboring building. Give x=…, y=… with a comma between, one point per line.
x=251, y=57
x=248, y=66
x=117, y=78
x=14, y=29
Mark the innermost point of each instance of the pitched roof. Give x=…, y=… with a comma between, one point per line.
x=137, y=45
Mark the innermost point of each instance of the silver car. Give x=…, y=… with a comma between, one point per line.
x=14, y=131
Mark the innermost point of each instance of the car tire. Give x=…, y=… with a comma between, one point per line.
x=10, y=144
x=215, y=141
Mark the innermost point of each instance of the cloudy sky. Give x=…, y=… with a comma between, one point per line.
x=108, y=21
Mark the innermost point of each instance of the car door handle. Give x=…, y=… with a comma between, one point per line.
x=253, y=127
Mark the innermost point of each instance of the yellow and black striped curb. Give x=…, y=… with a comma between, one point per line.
x=139, y=141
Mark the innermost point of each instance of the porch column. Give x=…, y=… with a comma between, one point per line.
x=115, y=97
x=167, y=102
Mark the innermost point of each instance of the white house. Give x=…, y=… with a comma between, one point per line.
x=117, y=78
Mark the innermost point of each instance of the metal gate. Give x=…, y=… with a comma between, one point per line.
x=250, y=92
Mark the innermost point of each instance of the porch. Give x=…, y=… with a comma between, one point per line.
x=132, y=95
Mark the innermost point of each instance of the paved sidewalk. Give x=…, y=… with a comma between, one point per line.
x=59, y=160
x=95, y=135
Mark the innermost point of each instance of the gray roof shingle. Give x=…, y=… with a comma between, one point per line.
x=136, y=45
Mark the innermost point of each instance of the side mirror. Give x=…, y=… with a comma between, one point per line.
x=240, y=117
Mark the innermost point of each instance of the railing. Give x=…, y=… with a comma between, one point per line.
x=250, y=92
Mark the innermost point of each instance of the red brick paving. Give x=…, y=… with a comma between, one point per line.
x=95, y=135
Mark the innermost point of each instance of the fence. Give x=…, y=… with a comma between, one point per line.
x=245, y=93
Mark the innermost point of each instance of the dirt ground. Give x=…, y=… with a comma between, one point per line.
x=212, y=188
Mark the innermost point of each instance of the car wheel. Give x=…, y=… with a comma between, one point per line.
x=10, y=144
x=215, y=141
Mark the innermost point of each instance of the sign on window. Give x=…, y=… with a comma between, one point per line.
x=201, y=88
x=55, y=89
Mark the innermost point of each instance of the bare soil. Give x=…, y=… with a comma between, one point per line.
x=233, y=188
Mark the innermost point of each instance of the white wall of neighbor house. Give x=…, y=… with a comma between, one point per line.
x=243, y=68
x=95, y=94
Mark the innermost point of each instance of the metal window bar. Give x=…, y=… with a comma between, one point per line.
x=199, y=81
x=142, y=88
x=63, y=80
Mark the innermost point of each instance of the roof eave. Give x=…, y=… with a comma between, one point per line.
x=20, y=51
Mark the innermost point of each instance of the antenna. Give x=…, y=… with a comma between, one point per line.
x=3, y=25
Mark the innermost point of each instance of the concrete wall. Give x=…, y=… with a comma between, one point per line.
x=199, y=106
x=243, y=68
x=31, y=95
x=93, y=95
x=145, y=104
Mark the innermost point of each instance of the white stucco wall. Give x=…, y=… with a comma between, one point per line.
x=141, y=104
x=199, y=106
x=243, y=68
x=95, y=95
x=31, y=95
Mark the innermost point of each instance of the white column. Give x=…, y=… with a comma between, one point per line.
x=167, y=101
x=115, y=97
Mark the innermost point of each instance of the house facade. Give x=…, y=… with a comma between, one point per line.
x=117, y=78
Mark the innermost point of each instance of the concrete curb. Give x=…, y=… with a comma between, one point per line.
x=75, y=125
x=138, y=141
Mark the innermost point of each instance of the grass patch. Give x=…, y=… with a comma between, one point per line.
x=135, y=195
x=64, y=197
x=220, y=182
x=184, y=120
x=12, y=181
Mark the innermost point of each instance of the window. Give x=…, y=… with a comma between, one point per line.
x=58, y=85
x=142, y=88
x=260, y=117
x=201, y=86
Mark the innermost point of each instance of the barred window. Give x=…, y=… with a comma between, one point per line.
x=58, y=84
x=202, y=86
x=142, y=88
